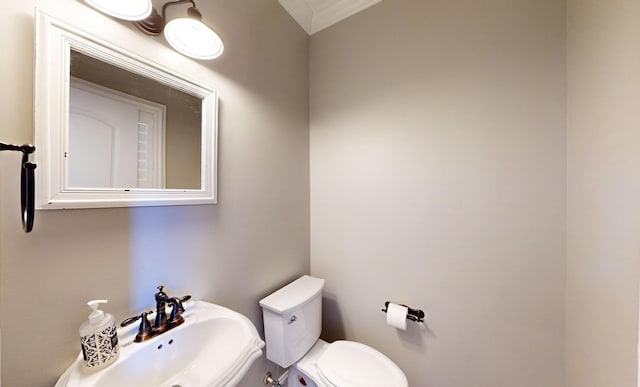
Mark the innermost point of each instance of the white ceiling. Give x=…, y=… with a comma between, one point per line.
x=315, y=15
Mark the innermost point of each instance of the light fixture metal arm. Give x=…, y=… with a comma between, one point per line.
x=154, y=24
x=164, y=7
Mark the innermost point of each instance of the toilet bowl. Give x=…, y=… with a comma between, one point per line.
x=292, y=321
x=344, y=363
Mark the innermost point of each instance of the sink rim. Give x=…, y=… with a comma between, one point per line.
x=196, y=312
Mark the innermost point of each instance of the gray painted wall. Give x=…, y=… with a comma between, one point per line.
x=233, y=253
x=603, y=244
x=450, y=170
x=438, y=180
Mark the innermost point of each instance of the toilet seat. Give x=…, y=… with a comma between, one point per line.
x=347, y=363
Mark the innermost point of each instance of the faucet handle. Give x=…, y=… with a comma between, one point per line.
x=131, y=320
x=178, y=309
x=145, y=326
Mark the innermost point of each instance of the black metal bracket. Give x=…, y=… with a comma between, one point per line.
x=27, y=183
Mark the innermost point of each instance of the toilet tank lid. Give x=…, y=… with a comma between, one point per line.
x=293, y=295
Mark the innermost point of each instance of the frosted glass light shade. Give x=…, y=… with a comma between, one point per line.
x=123, y=9
x=194, y=39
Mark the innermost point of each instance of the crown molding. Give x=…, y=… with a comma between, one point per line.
x=316, y=15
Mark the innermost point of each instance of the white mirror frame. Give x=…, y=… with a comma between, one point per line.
x=54, y=40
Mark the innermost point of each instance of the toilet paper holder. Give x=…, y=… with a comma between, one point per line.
x=416, y=315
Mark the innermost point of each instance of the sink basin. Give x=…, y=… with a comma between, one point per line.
x=215, y=346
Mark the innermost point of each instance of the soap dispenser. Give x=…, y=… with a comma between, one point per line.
x=98, y=338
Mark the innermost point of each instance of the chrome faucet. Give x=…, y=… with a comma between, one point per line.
x=161, y=323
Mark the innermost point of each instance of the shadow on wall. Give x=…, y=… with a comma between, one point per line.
x=332, y=322
x=414, y=338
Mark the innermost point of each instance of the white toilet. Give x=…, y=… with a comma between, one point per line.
x=292, y=323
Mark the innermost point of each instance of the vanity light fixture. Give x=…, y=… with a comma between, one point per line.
x=123, y=9
x=191, y=37
x=187, y=35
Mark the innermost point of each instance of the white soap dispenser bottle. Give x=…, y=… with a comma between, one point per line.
x=98, y=338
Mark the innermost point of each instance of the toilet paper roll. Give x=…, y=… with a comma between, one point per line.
x=397, y=316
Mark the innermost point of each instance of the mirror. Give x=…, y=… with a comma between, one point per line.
x=115, y=130
x=149, y=134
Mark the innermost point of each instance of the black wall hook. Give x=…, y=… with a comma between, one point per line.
x=27, y=183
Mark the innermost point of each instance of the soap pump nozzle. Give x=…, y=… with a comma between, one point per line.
x=96, y=315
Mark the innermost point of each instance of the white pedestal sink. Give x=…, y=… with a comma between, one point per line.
x=214, y=347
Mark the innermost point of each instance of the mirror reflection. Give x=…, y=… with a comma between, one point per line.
x=129, y=131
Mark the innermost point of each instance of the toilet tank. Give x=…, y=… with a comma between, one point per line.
x=292, y=319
